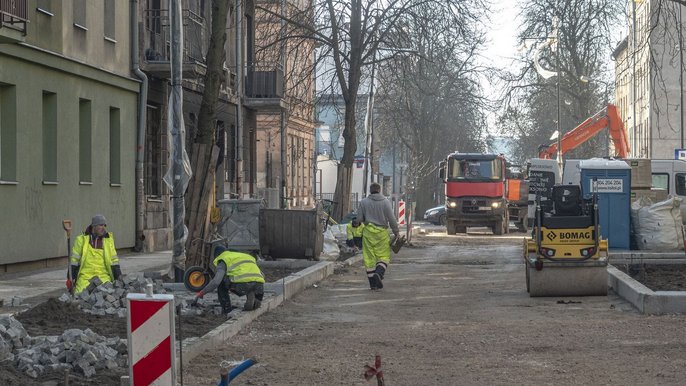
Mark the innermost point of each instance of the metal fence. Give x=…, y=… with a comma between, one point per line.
x=157, y=41
x=354, y=199
x=14, y=14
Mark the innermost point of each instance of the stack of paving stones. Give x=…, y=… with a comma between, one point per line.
x=110, y=298
x=82, y=351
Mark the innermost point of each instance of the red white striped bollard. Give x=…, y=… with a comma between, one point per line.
x=151, y=339
x=401, y=212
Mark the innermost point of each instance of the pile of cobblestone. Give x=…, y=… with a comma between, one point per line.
x=110, y=298
x=77, y=350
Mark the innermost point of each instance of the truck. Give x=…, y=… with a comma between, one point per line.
x=475, y=192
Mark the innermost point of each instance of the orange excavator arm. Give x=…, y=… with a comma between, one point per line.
x=606, y=118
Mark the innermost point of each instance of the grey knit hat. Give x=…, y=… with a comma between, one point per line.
x=98, y=219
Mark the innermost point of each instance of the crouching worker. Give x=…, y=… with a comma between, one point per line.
x=354, y=232
x=93, y=255
x=238, y=273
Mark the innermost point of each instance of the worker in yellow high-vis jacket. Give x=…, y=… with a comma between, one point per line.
x=93, y=255
x=376, y=213
x=354, y=232
x=237, y=272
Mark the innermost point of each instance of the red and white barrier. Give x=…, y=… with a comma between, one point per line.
x=401, y=212
x=152, y=339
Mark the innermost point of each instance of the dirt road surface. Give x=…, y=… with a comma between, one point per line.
x=454, y=311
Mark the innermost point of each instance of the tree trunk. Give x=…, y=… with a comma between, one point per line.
x=203, y=163
x=345, y=168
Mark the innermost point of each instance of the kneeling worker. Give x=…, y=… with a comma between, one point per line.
x=238, y=273
x=354, y=232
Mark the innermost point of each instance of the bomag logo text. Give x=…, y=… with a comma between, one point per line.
x=574, y=235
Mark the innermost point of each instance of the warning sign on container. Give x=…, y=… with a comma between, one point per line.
x=608, y=185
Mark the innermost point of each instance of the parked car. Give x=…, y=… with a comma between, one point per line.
x=435, y=215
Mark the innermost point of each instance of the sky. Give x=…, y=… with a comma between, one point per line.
x=501, y=47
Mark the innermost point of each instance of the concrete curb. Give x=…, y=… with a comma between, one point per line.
x=647, y=255
x=643, y=298
x=282, y=290
x=353, y=260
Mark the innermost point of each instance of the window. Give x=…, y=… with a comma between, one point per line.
x=109, y=19
x=115, y=147
x=680, y=184
x=661, y=181
x=49, y=137
x=79, y=10
x=8, y=133
x=85, y=141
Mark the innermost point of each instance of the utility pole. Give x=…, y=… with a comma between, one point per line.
x=681, y=78
x=282, y=122
x=634, y=146
x=239, y=105
x=368, y=122
x=178, y=178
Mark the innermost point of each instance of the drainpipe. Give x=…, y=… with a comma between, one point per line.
x=140, y=145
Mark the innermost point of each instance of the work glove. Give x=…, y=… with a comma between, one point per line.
x=69, y=285
x=199, y=295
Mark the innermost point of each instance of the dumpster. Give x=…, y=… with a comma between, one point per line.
x=240, y=224
x=614, y=197
x=291, y=234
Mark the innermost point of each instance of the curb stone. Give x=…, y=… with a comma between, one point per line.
x=282, y=290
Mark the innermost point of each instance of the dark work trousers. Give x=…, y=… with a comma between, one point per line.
x=240, y=289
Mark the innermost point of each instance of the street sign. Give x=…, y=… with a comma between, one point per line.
x=680, y=154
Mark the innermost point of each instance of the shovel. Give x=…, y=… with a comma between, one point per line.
x=66, y=224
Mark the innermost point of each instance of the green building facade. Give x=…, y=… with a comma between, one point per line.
x=68, y=108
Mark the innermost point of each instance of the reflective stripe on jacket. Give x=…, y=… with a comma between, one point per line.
x=93, y=262
x=240, y=267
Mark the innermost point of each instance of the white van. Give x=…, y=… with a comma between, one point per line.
x=670, y=175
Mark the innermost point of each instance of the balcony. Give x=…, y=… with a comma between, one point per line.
x=264, y=87
x=157, y=43
x=13, y=20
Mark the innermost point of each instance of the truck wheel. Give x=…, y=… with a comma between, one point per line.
x=441, y=220
x=450, y=227
x=498, y=228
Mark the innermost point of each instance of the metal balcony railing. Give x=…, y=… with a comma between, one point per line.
x=264, y=81
x=158, y=41
x=14, y=15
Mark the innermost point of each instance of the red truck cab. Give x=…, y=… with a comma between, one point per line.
x=475, y=192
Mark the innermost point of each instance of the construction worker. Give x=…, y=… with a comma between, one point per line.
x=238, y=273
x=376, y=214
x=354, y=232
x=93, y=255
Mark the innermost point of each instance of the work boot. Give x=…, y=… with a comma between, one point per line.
x=249, y=301
x=380, y=270
x=379, y=283
x=372, y=282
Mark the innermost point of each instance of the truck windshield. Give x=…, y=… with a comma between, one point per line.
x=474, y=169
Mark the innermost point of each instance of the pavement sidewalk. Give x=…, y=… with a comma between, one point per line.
x=36, y=283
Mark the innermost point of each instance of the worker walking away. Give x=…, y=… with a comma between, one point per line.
x=93, y=255
x=376, y=213
x=238, y=273
x=354, y=232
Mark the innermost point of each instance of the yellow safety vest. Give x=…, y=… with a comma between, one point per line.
x=93, y=262
x=240, y=267
x=354, y=231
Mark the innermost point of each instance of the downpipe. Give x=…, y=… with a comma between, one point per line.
x=140, y=142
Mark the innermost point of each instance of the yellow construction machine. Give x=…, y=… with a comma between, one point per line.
x=565, y=255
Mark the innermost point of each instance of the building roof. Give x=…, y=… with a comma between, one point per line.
x=620, y=47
